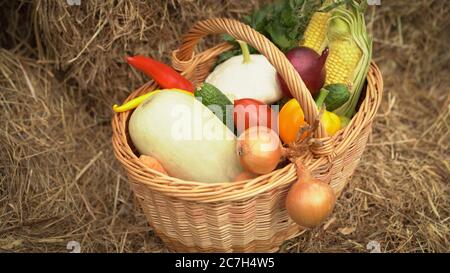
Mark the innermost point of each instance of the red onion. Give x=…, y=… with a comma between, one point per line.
x=309, y=65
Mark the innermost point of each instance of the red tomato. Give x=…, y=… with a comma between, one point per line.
x=250, y=112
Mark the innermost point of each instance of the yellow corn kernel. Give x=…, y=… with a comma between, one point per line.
x=342, y=61
x=316, y=32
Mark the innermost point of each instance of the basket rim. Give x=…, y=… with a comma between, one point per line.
x=215, y=192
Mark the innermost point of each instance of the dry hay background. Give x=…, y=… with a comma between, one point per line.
x=61, y=69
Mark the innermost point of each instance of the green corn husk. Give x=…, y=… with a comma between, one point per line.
x=353, y=18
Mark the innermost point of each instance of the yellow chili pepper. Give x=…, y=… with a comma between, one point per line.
x=331, y=122
x=136, y=101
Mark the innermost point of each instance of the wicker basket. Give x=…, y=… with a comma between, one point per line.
x=246, y=216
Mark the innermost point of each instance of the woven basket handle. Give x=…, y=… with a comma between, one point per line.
x=245, y=33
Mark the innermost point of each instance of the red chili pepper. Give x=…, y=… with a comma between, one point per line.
x=163, y=74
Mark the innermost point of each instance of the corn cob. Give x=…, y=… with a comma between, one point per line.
x=316, y=32
x=350, y=53
x=341, y=62
x=343, y=30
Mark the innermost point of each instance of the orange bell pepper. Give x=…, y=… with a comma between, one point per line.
x=290, y=120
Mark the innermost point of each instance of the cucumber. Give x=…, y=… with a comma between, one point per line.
x=337, y=96
x=217, y=102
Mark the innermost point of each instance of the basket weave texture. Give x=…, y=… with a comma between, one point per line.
x=245, y=216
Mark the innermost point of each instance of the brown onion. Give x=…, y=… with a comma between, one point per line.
x=309, y=201
x=259, y=150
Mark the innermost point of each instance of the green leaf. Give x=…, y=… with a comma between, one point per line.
x=226, y=55
x=334, y=5
x=278, y=35
x=283, y=22
x=228, y=38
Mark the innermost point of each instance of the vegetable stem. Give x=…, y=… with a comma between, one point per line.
x=245, y=52
x=322, y=96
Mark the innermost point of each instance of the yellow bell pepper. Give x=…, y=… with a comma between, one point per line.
x=331, y=122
